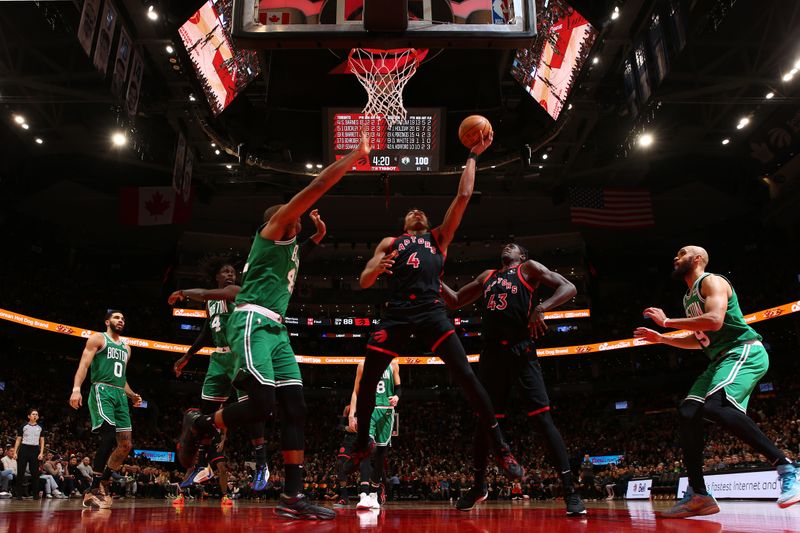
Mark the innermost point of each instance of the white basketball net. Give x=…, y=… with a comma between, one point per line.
x=384, y=74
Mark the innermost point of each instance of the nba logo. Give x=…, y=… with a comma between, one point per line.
x=502, y=11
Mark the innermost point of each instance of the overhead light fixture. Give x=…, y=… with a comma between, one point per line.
x=119, y=138
x=541, y=167
x=744, y=121
x=770, y=95
x=229, y=166
x=19, y=119
x=25, y=126
x=170, y=49
x=595, y=60
x=645, y=140
x=309, y=165
x=788, y=76
x=217, y=152
x=39, y=140
x=545, y=156
x=152, y=14
x=319, y=165
x=213, y=145
x=569, y=106
x=192, y=98
x=793, y=71
x=615, y=13
x=725, y=141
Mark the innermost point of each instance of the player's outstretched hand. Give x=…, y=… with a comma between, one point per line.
x=175, y=297
x=656, y=315
x=179, y=364
x=76, y=400
x=364, y=147
x=386, y=264
x=484, y=143
x=318, y=222
x=647, y=334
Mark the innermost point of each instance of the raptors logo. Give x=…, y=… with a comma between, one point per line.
x=380, y=336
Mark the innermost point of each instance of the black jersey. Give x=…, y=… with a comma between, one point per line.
x=507, y=300
x=416, y=274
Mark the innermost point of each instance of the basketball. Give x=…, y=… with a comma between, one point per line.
x=471, y=129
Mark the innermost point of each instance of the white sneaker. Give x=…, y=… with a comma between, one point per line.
x=373, y=501
x=364, y=501
x=5, y=495
x=48, y=496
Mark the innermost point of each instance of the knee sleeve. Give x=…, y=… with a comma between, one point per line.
x=292, y=405
x=108, y=441
x=262, y=398
x=689, y=411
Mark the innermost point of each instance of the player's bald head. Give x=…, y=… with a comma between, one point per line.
x=698, y=251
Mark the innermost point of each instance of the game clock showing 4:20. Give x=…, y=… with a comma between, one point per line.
x=410, y=146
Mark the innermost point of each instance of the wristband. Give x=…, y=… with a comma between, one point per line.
x=76, y=389
x=472, y=155
x=398, y=391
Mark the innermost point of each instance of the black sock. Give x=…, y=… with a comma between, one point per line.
x=566, y=480
x=294, y=480
x=260, y=455
x=480, y=477
x=106, y=474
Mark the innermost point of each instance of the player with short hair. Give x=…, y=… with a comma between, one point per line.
x=413, y=264
x=268, y=369
x=381, y=425
x=107, y=355
x=217, y=386
x=510, y=322
x=721, y=393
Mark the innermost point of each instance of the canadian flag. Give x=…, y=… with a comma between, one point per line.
x=271, y=16
x=153, y=206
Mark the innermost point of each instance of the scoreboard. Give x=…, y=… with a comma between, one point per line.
x=411, y=146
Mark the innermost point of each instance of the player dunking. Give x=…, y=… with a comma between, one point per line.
x=108, y=356
x=721, y=393
x=261, y=343
x=381, y=424
x=217, y=385
x=509, y=323
x=414, y=263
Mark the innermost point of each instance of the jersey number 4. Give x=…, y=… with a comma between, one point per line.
x=413, y=260
x=498, y=305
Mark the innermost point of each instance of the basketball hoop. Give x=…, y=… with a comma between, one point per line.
x=384, y=74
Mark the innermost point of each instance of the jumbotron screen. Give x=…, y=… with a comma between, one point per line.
x=412, y=146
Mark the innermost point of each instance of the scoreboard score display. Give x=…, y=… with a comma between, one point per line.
x=411, y=146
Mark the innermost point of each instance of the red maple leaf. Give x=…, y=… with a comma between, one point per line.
x=157, y=205
x=274, y=18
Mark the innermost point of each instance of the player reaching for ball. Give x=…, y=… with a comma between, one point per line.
x=720, y=394
x=413, y=264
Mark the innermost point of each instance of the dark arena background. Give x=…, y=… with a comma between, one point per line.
x=141, y=140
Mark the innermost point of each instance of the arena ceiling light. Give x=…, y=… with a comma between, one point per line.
x=19, y=119
x=615, y=13
x=192, y=98
x=645, y=140
x=725, y=141
x=744, y=121
x=770, y=95
x=319, y=165
x=119, y=138
x=217, y=152
x=229, y=166
x=152, y=14
x=309, y=166
x=25, y=126
x=39, y=140
x=544, y=156
x=595, y=60
x=170, y=49
x=788, y=76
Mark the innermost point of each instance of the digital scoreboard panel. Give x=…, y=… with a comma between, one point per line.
x=411, y=146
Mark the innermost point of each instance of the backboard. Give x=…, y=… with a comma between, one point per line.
x=503, y=24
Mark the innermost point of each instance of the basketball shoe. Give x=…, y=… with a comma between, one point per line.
x=472, y=497
x=299, y=508
x=691, y=505
x=575, y=505
x=790, y=486
x=261, y=477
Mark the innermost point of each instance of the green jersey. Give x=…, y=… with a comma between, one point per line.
x=734, y=330
x=218, y=313
x=385, y=388
x=269, y=275
x=110, y=362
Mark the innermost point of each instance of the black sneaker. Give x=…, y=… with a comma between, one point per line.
x=473, y=497
x=189, y=443
x=351, y=461
x=512, y=468
x=575, y=505
x=299, y=508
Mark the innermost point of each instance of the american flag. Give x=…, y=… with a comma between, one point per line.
x=611, y=208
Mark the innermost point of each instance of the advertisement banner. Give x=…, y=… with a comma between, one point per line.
x=639, y=489
x=739, y=485
x=156, y=455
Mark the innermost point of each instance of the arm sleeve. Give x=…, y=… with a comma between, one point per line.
x=201, y=339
